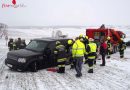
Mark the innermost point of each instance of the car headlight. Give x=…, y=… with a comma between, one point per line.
x=22, y=60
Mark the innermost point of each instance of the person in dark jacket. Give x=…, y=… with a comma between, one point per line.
x=18, y=43
x=10, y=44
x=60, y=55
x=103, y=51
x=91, y=53
x=23, y=44
x=14, y=44
x=122, y=47
x=86, y=42
x=69, y=52
x=102, y=26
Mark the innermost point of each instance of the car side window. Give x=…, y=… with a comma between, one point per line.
x=52, y=46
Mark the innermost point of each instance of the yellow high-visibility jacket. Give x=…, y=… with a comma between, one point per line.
x=78, y=49
x=91, y=50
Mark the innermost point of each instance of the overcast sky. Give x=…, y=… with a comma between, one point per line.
x=66, y=12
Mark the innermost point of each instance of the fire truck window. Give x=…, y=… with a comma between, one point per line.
x=114, y=38
x=102, y=34
x=96, y=35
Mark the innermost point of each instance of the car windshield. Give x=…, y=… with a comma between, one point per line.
x=36, y=45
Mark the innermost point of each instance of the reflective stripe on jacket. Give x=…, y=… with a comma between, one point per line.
x=91, y=51
x=108, y=45
x=61, y=60
x=60, y=52
x=122, y=46
x=78, y=49
x=93, y=47
x=61, y=65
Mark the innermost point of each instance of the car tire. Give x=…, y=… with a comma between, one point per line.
x=34, y=67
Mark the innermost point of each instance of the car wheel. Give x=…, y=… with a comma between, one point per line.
x=34, y=67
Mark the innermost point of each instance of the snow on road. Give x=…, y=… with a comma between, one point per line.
x=114, y=76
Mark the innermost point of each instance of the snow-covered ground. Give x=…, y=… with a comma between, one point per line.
x=114, y=76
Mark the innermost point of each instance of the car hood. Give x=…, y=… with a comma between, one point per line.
x=23, y=53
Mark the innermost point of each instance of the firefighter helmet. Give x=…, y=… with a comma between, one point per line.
x=108, y=38
x=70, y=41
x=121, y=39
x=86, y=37
x=81, y=35
x=57, y=42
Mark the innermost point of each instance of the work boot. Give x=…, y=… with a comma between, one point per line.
x=108, y=57
x=78, y=75
x=90, y=71
x=121, y=56
x=72, y=67
x=102, y=64
x=61, y=70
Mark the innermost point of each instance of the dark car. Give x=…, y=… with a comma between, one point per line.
x=38, y=54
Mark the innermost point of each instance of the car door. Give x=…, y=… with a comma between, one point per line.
x=51, y=59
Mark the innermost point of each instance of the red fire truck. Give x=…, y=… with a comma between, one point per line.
x=102, y=33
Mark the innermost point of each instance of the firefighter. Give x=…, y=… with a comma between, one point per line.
x=102, y=26
x=91, y=53
x=122, y=47
x=23, y=44
x=103, y=50
x=78, y=51
x=108, y=47
x=10, y=44
x=60, y=55
x=81, y=38
x=14, y=44
x=18, y=43
x=69, y=52
x=86, y=42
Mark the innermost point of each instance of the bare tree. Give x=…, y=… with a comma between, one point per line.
x=3, y=31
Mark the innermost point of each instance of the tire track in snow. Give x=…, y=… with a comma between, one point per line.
x=105, y=78
x=49, y=80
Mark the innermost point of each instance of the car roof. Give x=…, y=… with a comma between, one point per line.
x=48, y=39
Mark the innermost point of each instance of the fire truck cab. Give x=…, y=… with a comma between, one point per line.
x=102, y=33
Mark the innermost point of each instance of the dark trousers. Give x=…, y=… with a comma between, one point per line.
x=78, y=61
x=121, y=53
x=94, y=61
x=71, y=61
x=103, y=59
x=108, y=53
x=90, y=63
x=61, y=70
x=61, y=67
x=10, y=49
